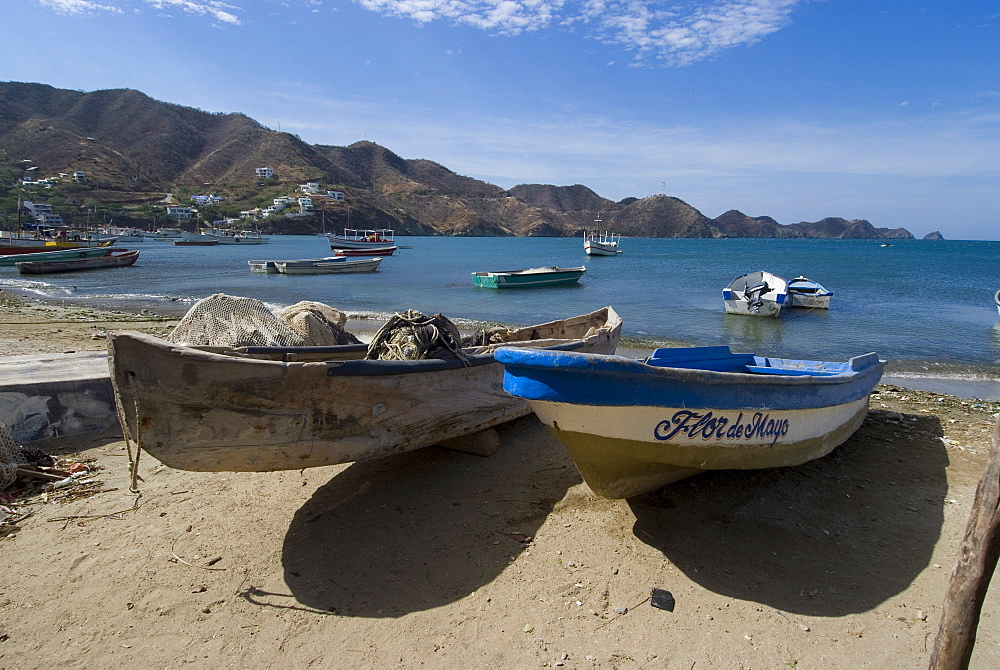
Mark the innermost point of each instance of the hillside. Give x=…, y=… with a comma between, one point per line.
x=135, y=150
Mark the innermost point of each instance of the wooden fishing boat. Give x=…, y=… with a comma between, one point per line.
x=328, y=266
x=286, y=408
x=534, y=277
x=804, y=292
x=632, y=426
x=756, y=294
x=10, y=260
x=355, y=238
x=121, y=259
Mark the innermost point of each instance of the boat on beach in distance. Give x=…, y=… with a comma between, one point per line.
x=755, y=294
x=804, y=292
x=261, y=408
x=632, y=426
x=531, y=278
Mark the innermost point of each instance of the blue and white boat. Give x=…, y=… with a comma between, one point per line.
x=804, y=292
x=632, y=426
x=756, y=294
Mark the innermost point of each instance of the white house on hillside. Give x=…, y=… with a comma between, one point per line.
x=265, y=173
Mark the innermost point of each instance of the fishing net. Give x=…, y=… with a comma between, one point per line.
x=317, y=323
x=228, y=321
x=10, y=456
x=414, y=336
x=487, y=336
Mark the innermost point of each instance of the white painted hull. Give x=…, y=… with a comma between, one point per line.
x=624, y=451
x=596, y=249
x=807, y=301
x=767, y=308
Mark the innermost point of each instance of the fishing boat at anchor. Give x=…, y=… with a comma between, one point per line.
x=632, y=426
x=533, y=277
x=598, y=243
x=756, y=294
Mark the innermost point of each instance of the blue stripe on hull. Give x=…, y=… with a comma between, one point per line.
x=617, y=381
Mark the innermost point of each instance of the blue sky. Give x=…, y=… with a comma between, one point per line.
x=796, y=109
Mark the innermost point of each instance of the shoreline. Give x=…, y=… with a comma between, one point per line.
x=365, y=324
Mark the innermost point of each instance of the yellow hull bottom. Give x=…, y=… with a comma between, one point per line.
x=619, y=468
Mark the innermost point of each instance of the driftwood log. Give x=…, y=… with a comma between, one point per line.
x=970, y=579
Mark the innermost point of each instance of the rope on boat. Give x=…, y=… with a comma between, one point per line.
x=414, y=336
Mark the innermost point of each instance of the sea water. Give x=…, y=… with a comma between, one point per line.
x=925, y=306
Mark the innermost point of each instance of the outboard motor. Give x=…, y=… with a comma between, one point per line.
x=754, y=296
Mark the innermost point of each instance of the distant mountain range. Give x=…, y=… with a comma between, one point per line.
x=134, y=150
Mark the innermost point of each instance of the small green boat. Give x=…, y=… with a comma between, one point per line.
x=57, y=255
x=528, y=278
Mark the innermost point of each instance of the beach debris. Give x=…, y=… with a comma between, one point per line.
x=519, y=537
x=662, y=599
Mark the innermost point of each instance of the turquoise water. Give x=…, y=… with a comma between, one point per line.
x=926, y=306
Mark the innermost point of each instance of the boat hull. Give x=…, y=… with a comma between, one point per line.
x=340, y=265
x=212, y=409
x=56, y=255
x=373, y=251
x=808, y=300
x=94, y=263
x=635, y=462
x=631, y=427
x=528, y=278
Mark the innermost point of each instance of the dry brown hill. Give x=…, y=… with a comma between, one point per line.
x=134, y=149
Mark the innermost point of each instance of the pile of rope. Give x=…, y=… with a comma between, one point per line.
x=413, y=336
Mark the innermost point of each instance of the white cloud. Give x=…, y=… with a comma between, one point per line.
x=216, y=9
x=78, y=6
x=671, y=33
x=213, y=8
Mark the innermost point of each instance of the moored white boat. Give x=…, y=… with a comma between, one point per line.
x=756, y=294
x=328, y=266
x=804, y=292
x=598, y=243
x=287, y=408
x=631, y=426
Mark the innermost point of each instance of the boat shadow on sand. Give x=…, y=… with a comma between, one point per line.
x=425, y=528
x=835, y=536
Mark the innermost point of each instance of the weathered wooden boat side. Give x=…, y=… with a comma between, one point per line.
x=280, y=408
x=632, y=426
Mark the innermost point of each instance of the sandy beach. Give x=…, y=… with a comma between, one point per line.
x=442, y=559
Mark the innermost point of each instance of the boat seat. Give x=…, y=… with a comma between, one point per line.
x=715, y=358
x=795, y=372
